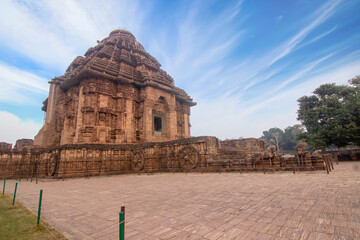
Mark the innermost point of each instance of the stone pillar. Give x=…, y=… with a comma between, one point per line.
x=129, y=121
x=79, y=115
x=172, y=125
x=50, y=110
x=186, y=125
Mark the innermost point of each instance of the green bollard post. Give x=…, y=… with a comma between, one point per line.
x=14, y=194
x=39, y=208
x=123, y=210
x=121, y=225
x=4, y=187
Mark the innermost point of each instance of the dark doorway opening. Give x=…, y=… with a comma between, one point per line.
x=157, y=124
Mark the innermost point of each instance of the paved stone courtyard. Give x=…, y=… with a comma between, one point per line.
x=306, y=205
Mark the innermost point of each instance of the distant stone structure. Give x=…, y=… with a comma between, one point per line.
x=248, y=145
x=23, y=143
x=115, y=111
x=4, y=146
x=344, y=154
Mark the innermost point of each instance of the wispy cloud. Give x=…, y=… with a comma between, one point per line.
x=244, y=78
x=14, y=82
x=320, y=16
x=13, y=128
x=199, y=43
x=258, y=66
x=230, y=115
x=318, y=37
x=52, y=33
x=307, y=68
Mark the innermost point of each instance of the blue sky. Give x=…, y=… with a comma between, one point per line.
x=244, y=62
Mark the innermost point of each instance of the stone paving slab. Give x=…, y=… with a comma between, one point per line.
x=306, y=205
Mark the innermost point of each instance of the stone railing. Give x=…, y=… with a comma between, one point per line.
x=200, y=154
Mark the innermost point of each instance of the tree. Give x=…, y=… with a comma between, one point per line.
x=291, y=137
x=286, y=139
x=331, y=115
x=274, y=136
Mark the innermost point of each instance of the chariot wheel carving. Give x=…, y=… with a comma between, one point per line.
x=138, y=161
x=188, y=157
x=53, y=164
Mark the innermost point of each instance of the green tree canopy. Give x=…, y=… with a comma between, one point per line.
x=291, y=137
x=331, y=115
x=273, y=136
x=284, y=140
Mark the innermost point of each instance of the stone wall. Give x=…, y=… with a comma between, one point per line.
x=4, y=146
x=23, y=143
x=246, y=145
x=99, y=159
x=346, y=154
x=198, y=154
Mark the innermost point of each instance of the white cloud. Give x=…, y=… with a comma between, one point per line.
x=25, y=33
x=13, y=128
x=319, y=37
x=300, y=73
x=14, y=82
x=320, y=16
x=53, y=33
x=228, y=117
x=195, y=49
x=198, y=43
x=255, y=72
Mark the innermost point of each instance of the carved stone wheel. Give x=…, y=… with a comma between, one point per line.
x=53, y=163
x=188, y=157
x=138, y=161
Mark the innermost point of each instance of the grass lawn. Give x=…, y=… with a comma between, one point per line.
x=16, y=222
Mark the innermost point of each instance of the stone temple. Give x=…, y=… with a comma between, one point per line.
x=116, y=94
x=116, y=111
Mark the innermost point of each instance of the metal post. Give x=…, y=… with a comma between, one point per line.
x=123, y=210
x=39, y=208
x=4, y=186
x=121, y=225
x=14, y=194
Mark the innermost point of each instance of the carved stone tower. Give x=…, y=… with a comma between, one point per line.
x=116, y=94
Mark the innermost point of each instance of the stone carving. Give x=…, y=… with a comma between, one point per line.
x=188, y=157
x=116, y=111
x=178, y=155
x=23, y=143
x=138, y=161
x=53, y=164
x=107, y=97
x=300, y=153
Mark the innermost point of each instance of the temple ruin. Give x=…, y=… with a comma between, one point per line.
x=116, y=94
x=116, y=111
